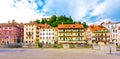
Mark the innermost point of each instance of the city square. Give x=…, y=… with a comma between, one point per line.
x=51, y=53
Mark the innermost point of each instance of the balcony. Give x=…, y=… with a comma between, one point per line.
x=71, y=36
x=101, y=36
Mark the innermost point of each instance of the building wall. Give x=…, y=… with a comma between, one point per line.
x=71, y=34
x=47, y=35
x=114, y=32
x=32, y=30
x=10, y=34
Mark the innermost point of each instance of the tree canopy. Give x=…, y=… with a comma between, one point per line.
x=54, y=21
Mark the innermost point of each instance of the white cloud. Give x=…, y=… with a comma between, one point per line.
x=21, y=11
x=75, y=8
x=108, y=9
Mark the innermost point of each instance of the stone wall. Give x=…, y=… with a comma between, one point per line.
x=109, y=47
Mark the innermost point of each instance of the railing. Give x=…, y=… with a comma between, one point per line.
x=101, y=36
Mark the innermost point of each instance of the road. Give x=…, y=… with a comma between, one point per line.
x=18, y=53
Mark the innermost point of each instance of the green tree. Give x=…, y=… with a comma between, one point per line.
x=43, y=21
x=38, y=21
x=85, y=25
x=53, y=19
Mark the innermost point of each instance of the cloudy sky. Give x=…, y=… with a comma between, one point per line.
x=91, y=11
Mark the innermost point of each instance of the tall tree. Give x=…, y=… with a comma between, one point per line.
x=85, y=25
x=38, y=21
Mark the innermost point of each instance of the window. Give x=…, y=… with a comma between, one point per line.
x=9, y=27
x=53, y=37
x=26, y=28
x=113, y=31
x=49, y=37
x=40, y=33
x=40, y=37
x=5, y=27
x=26, y=42
x=49, y=33
x=46, y=33
x=32, y=29
x=60, y=38
x=43, y=29
x=26, y=37
x=32, y=37
x=43, y=33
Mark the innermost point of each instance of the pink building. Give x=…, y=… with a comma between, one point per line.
x=11, y=32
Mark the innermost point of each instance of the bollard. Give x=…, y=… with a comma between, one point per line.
x=110, y=50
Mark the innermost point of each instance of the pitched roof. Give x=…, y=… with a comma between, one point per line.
x=70, y=26
x=13, y=23
x=31, y=23
x=43, y=25
x=94, y=28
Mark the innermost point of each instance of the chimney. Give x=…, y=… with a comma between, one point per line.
x=13, y=20
x=8, y=22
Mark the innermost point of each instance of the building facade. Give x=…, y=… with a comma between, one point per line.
x=71, y=33
x=98, y=34
x=114, y=31
x=30, y=32
x=11, y=32
x=46, y=34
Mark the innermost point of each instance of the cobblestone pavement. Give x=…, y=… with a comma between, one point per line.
x=11, y=53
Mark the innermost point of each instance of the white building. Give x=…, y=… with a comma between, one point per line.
x=114, y=31
x=47, y=35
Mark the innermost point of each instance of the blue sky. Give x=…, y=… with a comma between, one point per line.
x=90, y=11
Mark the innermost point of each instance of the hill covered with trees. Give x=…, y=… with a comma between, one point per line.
x=54, y=21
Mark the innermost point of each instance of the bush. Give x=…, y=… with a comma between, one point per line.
x=55, y=46
x=118, y=46
x=40, y=45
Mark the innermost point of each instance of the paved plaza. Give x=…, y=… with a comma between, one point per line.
x=19, y=53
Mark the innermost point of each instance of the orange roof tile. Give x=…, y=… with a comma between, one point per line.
x=43, y=25
x=70, y=26
x=94, y=28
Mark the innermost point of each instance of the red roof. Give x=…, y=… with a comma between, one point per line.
x=43, y=25
x=70, y=26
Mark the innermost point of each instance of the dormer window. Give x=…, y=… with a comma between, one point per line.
x=96, y=30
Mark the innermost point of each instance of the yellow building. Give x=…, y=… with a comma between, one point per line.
x=30, y=32
x=70, y=33
x=97, y=34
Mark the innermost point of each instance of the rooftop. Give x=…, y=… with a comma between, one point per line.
x=70, y=26
x=94, y=28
